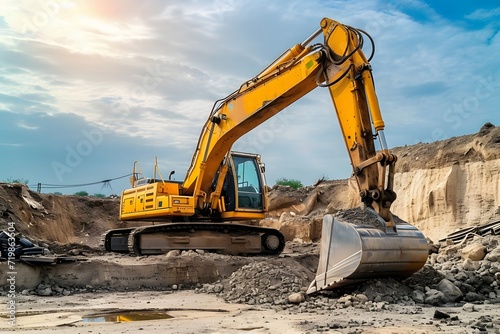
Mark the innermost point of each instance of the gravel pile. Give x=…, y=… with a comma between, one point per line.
x=260, y=283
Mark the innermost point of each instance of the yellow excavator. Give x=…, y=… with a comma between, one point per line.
x=222, y=187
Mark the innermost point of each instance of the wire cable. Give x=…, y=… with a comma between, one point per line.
x=58, y=186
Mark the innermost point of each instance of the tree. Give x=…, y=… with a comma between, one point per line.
x=295, y=184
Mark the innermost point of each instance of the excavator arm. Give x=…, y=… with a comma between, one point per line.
x=339, y=65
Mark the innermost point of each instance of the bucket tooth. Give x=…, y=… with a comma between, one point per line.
x=353, y=252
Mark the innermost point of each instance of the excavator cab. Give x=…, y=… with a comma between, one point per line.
x=244, y=186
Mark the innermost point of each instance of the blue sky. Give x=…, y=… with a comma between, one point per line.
x=88, y=87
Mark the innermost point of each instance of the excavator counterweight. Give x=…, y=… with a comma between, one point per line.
x=222, y=187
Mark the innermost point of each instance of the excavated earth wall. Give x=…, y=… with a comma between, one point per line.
x=121, y=272
x=442, y=200
x=450, y=184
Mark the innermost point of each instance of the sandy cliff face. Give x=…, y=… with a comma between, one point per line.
x=451, y=184
x=441, y=200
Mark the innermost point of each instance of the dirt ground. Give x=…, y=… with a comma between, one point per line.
x=203, y=313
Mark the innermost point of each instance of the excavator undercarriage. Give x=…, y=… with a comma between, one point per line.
x=235, y=239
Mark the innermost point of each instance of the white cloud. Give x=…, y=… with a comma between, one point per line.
x=27, y=126
x=11, y=144
x=484, y=14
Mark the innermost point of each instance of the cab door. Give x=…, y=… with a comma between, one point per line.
x=248, y=182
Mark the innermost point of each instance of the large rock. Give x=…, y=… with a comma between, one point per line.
x=494, y=255
x=296, y=298
x=475, y=252
x=473, y=297
x=44, y=292
x=451, y=292
x=434, y=297
x=471, y=265
x=418, y=296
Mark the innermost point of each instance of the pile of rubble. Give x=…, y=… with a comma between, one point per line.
x=51, y=288
x=471, y=271
x=260, y=283
x=461, y=274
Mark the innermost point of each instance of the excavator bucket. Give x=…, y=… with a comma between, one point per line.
x=353, y=251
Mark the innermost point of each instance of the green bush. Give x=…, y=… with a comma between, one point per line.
x=81, y=193
x=295, y=184
x=99, y=195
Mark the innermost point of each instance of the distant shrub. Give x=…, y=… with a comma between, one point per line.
x=295, y=184
x=81, y=193
x=21, y=180
x=99, y=195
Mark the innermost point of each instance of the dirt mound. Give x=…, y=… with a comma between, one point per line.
x=57, y=218
x=325, y=196
x=481, y=146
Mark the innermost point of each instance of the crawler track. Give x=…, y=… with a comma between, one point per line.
x=236, y=239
